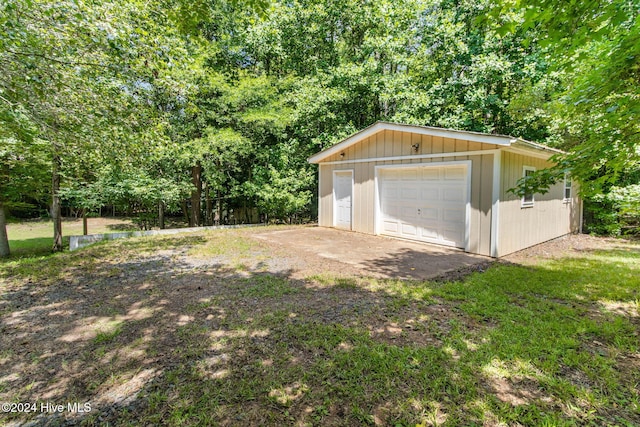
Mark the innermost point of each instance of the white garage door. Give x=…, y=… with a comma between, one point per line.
x=426, y=203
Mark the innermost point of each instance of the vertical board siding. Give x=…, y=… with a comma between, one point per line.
x=396, y=143
x=474, y=220
x=486, y=202
x=325, y=217
x=426, y=146
x=462, y=145
x=548, y=218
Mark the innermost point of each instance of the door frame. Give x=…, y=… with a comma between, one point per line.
x=333, y=190
x=377, y=212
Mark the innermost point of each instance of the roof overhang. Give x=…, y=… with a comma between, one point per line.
x=534, y=146
x=500, y=140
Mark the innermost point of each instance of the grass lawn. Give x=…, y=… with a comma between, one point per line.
x=198, y=330
x=35, y=237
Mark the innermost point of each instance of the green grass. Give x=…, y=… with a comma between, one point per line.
x=34, y=237
x=221, y=242
x=104, y=337
x=522, y=352
x=524, y=349
x=267, y=286
x=552, y=344
x=33, y=246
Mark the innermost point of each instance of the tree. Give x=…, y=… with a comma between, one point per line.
x=223, y=105
x=78, y=72
x=22, y=171
x=593, y=48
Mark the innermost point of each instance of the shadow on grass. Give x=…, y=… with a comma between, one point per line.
x=149, y=337
x=35, y=247
x=123, y=227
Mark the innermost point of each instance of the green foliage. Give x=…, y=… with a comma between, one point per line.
x=139, y=189
x=23, y=172
x=616, y=212
x=247, y=90
x=593, y=110
x=89, y=197
x=627, y=199
x=281, y=194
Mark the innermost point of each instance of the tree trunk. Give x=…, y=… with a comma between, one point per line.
x=219, y=206
x=185, y=212
x=56, y=214
x=196, y=195
x=85, y=226
x=161, y=215
x=4, y=239
x=209, y=205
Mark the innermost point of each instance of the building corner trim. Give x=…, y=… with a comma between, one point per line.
x=495, y=203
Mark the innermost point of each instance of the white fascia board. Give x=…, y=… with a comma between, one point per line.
x=535, y=149
x=421, y=130
x=537, y=146
x=452, y=133
x=532, y=152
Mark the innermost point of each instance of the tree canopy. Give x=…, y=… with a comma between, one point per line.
x=210, y=109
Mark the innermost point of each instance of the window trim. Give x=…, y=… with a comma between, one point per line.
x=523, y=202
x=567, y=179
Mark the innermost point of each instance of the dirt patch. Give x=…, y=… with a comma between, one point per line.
x=571, y=245
x=310, y=250
x=317, y=250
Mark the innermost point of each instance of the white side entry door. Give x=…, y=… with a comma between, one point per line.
x=342, y=199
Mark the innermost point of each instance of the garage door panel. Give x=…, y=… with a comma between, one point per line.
x=426, y=203
x=409, y=194
x=431, y=234
x=454, y=194
x=455, y=173
x=391, y=193
x=390, y=226
x=429, y=214
x=455, y=216
x=409, y=175
x=408, y=213
x=409, y=230
x=430, y=174
x=452, y=235
x=389, y=203
x=392, y=212
x=429, y=194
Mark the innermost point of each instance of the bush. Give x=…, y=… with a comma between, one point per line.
x=615, y=213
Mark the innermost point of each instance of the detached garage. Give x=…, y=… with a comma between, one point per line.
x=442, y=186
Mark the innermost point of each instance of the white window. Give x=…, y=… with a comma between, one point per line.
x=527, y=198
x=567, y=187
